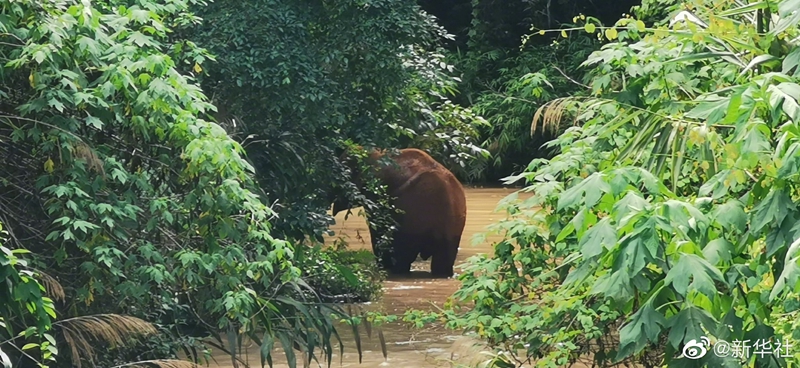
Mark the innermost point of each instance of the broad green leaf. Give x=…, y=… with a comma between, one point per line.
x=702, y=274
x=619, y=181
x=590, y=189
x=94, y=122
x=791, y=162
x=644, y=328
x=712, y=109
x=568, y=229
x=635, y=253
x=760, y=59
x=348, y=275
x=791, y=61
x=772, y=209
x=786, y=22
x=651, y=182
x=701, y=56
x=601, y=235
x=678, y=211
x=718, y=250
x=616, y=285
x=786, y=95
x=790, y=274
x=782, y=235
x=84, y=226
x=730, y=327
x=715, y=184
x=731, y=215
x=755, y=141
x=744, y=9
x=786, y=7
x=688, y=324
x=631, y=202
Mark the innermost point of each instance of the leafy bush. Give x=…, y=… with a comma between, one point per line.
x=341, y=275
x=120, y=189
x=670, y=213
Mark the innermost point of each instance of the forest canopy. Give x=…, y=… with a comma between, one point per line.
x=168, y=167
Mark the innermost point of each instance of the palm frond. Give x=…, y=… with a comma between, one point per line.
x=113, y=329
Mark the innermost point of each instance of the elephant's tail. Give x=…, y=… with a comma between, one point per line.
x=410, y=181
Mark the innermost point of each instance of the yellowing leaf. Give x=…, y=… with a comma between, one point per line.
x=695, y=137
x=705, y=165
x=574, y=19
x=48, y=165
x=197, y=68
x=589, y=28
x=640, y=26
x=697, y=38
x=541, y=33
x=32, y=80
x=583, y=17
x=564, y=34
x=738, y=175
x=770, y=170
x=611, y=33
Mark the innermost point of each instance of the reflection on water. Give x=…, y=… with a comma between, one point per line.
x=430, y=347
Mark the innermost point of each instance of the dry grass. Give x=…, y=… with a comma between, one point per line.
x=163, y=363
x=52, y=286
x=82, y=151
x=550, y=114
x=112, y=329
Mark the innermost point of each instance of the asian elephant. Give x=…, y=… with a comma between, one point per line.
x=433, y=204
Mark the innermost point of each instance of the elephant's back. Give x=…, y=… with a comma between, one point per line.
x=418, y=160
x=429, y=192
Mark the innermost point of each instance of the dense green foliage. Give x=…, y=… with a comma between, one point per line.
x=669, y=213
x=24, y=301
x=143, y=216
x=506, y=75
x=306, y=79
x=120, y=190
x=664, y=210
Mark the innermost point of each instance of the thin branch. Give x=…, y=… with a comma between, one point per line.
x=569, y=78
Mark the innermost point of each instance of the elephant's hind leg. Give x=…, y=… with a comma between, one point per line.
x=444, y=259
x=405, y=252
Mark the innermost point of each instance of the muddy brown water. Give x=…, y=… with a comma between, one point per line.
x=407, y=347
